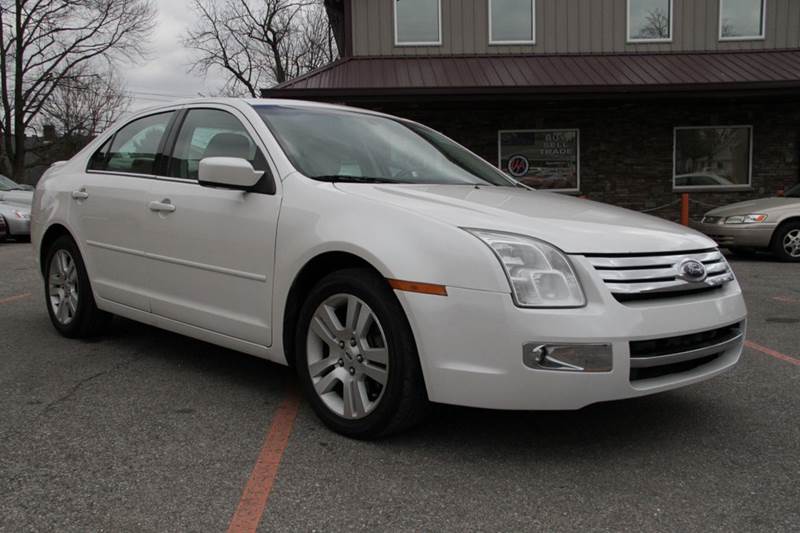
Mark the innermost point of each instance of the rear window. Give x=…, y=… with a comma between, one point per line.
x=134, y=148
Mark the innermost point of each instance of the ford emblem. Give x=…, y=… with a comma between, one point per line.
x=692, y=270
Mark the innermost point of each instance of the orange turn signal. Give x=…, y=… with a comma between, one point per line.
x=413, y=286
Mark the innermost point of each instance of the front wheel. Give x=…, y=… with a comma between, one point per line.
x=356, y=357
x=70, y=302
x=786, y=242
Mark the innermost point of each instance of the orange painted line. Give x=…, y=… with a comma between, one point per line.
x=785, y=299
x=769, y=351
x=15, y=298
x=256, y=493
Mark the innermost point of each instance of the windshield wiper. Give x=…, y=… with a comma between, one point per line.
x=337, y=178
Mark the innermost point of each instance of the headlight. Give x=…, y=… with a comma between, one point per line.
x=539, y=274
x=22, y=215
x=745, y=219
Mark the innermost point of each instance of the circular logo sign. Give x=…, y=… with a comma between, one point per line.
x=518, y=166
x=692, y=270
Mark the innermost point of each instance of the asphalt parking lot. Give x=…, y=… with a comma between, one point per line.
x=143, y=430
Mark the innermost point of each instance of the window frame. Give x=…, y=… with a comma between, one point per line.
x=761, y=37
x=631, y=40
x=577, y=131
x=721, y=188
x=159, y=151
x=416, y=43
x=494, y=42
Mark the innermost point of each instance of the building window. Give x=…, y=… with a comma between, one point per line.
x=417, y=22
x=713, y=157
x=742, y=19
x=649, y=21
x=543, y=159
x=512, y=21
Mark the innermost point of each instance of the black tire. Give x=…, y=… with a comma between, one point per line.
x=778, y=248
x=87, y=320
x=404, y=400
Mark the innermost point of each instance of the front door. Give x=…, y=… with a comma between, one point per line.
x=211, y=250
x=108, y=210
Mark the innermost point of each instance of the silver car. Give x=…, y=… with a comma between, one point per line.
x=771, y=224
x=15, y=210
x=16, y=221
x=12, y=192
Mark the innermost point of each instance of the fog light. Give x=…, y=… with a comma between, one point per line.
x=568, y=357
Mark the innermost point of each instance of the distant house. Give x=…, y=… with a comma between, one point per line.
x=625, y=101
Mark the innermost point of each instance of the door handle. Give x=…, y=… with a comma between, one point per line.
x=80, y=194
x=164, y=206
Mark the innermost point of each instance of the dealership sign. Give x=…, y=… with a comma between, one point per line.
x=547, y=159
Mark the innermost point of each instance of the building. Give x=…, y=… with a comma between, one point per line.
x=624, y=101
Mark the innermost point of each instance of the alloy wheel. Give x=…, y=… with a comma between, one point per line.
x=791, y=243
x=63, y=286
x=348, y=357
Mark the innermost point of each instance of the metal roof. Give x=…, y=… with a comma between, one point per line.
x=553, y=74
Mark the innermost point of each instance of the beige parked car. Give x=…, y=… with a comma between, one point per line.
x=771, y=224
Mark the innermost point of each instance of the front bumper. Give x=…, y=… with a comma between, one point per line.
x=470, y=344
x=738, y=235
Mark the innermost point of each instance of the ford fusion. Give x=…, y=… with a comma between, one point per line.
x=389, y=266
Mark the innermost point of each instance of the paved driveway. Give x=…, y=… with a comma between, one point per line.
x=143, y=430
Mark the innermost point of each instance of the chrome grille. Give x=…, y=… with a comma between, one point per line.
x=656, y=274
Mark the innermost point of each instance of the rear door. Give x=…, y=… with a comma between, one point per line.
x=211, y=252
x=108, y=210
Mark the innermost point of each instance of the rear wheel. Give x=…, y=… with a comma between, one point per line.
x=70, y=302
x=786, y=242
x=356, y=357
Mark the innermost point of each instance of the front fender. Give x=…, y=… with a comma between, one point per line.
x=399, y=243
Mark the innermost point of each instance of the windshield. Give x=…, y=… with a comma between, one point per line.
x=7, y=184
x=341, y=145
x=794, y=192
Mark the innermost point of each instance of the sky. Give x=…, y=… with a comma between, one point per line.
x=162, y=77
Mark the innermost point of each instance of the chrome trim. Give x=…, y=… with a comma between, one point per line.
x=638, y=274
x=668, y=286
x=589, y=357
x=144, y=176
x=652, y=260
x=679, y=357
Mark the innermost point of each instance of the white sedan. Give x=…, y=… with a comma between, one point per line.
x=387, y=264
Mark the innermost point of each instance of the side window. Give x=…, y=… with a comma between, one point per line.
x=100, y=157
x=134, y=147
x=212, y=133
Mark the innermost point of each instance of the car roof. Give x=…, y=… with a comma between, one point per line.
x=253, y=102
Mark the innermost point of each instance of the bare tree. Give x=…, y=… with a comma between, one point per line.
x=656, y=25
x=316, y=45
x=259, y=42
x=45, y=42
x=86, y=103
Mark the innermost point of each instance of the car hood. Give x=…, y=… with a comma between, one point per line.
x=760, y=206
x=17, y=197
x=576, y=226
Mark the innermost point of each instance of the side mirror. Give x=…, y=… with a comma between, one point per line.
x=228, y=172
